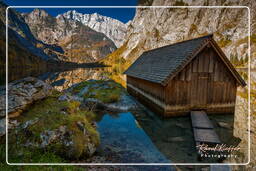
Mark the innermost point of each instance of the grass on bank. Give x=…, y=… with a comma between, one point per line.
x=51, y=114
x=35, y=156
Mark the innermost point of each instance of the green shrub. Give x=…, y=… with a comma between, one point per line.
x=224, y=42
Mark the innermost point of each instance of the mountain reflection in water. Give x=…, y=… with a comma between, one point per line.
x=65, y=79
x=60, y=79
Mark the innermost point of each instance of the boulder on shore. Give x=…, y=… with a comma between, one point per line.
x=22, y=93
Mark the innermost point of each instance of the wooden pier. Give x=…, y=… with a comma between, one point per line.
x=203, y=128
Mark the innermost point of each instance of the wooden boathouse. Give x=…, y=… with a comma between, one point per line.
x=190, y=75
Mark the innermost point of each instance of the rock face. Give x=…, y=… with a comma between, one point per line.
x=80, y=43
x=156, y=27
x=22, y=93
x=21, y=40
x=112, y=28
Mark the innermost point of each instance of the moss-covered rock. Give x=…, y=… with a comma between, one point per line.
x=56, y=126
x=103, y=95
x=104, y=91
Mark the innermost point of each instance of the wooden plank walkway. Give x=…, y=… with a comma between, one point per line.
x=206, y=136
x=203, y=128
x=200, y=120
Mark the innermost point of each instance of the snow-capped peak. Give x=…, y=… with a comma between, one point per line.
x=112, y=28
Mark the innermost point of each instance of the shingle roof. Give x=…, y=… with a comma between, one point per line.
x=158, y=64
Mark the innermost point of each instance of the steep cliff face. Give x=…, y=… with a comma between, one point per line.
x=80, y=43
x=22, y=45
x=112, y=28
x=156, y=27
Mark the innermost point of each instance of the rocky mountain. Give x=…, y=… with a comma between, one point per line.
x=156, y=27
x=24, y=49
x=112, y=28
x=80, y=43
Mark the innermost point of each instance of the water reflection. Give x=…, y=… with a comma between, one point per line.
x=19, y=73
x=174, y=137
x=142, y=137
x=62, y=77
x=65, y=79
x=59, y=78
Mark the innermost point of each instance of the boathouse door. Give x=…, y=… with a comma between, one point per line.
x=199, y=90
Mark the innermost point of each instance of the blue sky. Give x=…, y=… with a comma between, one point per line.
x=122, y=14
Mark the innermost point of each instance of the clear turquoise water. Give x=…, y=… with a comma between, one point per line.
x=123, y=135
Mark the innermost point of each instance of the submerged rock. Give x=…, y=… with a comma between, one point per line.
x=224, y=125
x=123, y=105
x=126, y=103
x=181, y=125
x=175, y=139
x=21, y=93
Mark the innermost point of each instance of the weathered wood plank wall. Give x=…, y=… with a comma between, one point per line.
x=205, y=82
x=153, y=89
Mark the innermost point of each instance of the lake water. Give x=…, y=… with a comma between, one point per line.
x=140, y=136
x=122, y=134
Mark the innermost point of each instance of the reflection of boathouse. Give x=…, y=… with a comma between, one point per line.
x=189, y=75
